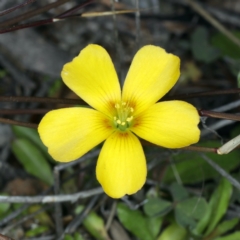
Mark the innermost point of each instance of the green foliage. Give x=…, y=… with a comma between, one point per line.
x=37, y=231
x=94, y=224
x=187, y=163
x=225, y=226
x=233, y=236
x=189, y=211
x=55, y=87
x=238, y=79
x=33, y=136
x=32, y=154
x=32, y=159
x=226, y=46
x=201, y=48
x=173, y=231
x=76, y=236
x=143, y=227
x=219, y=203
x=157, y=206
x=178, y=192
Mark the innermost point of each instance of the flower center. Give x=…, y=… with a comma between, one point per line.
x=123, y=118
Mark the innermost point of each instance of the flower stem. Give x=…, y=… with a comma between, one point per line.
x=23, y=111
x=16, y=7
x=66, y=101
x=200, y=149
x=203, y=94
x=13, y=122
x=32, y=13
x=205, y=113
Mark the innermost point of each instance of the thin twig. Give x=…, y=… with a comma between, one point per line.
x=57, y=205
x=198, y=8
x=110, y=13
x=47, y=100
x=14, y=122
x=51, y=198
x=23, y=111
x=227, y=107
x=63, y=16
x=213, y=114
x=71, y=228
x=74, y=9
x=89, y=155
x=216, y=126
x=203, y=94
x=111, y=215
x=222, y=172
x=200, y=149
x=24, y=219
x=16, y=7
x=32, y=13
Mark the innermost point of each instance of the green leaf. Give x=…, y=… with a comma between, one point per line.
x=179, y=193
x=68, y=237
x=201, y=48
x=173, y=232
x=226, y=46
x=202, y=223
x=32, y=160
x=42, y=218
x=190, y=210
x=157, y=206
x=135, y=222
x=95, y=226
x=33, y=136
x=238, y=80
x=154, y=225
x=37, y=231
x=78, y=236
x=233, y=236
x=187, y=163
x=225, y=227
x=55, y=87
x=219, y=204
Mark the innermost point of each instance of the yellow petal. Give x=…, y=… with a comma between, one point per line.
x=152, y=74
x=92, y=76
x=71, y=132
x=121, y=167
x=171, y=124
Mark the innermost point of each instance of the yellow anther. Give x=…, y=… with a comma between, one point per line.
x=131, y=109
x=129, y=119
x=115, y=118
x=117, y=106
x=123, y=123
x=124, y=103
x=118, y=121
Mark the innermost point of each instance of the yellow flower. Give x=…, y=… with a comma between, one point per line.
x=119, y=116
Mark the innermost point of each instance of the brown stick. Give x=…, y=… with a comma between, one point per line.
x=13, y=122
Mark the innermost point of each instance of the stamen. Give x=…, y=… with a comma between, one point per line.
x=129, y=119
x=117, y=106
x=123, y=118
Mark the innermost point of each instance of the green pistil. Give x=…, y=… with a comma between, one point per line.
x=123, y=118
